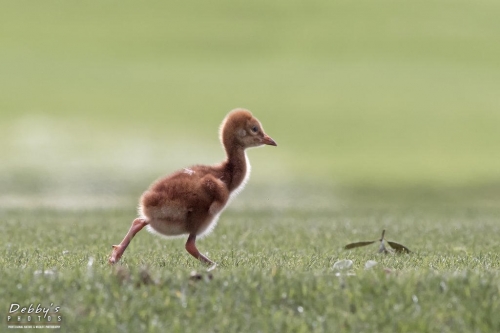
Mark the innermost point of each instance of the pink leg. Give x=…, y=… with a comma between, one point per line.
x=191, y=248
x=118, y=250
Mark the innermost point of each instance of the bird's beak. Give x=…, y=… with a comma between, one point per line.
x=268, y=141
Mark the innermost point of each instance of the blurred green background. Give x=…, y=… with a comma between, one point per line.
x=101, y=97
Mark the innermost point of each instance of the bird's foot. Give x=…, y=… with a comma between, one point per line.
x=212, y=267
x=116, y=254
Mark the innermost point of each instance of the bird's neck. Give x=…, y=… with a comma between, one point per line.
x=235, y=168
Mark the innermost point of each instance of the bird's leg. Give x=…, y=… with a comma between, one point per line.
x=118, y=250
x=191, y=248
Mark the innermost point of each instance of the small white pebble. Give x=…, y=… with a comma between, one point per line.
x=370, y=264
x=343, y=265
x=47, y=272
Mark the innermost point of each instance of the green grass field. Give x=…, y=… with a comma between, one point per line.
x=386, y=116
x=275, y=270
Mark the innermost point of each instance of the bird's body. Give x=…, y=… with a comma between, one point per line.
x=190, y=201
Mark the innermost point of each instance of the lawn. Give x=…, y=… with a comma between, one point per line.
x=276, y=269
x=386, y=117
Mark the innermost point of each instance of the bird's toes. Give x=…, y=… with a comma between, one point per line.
x=212, y=267
x=115, y=255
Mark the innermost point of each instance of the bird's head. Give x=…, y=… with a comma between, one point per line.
x=241, y=129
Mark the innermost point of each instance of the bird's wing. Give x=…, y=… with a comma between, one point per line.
x=215, y=188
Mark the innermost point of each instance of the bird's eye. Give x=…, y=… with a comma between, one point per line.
x=255, y=129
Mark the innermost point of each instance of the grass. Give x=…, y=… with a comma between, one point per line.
x=275, y=269
x=386, y=116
